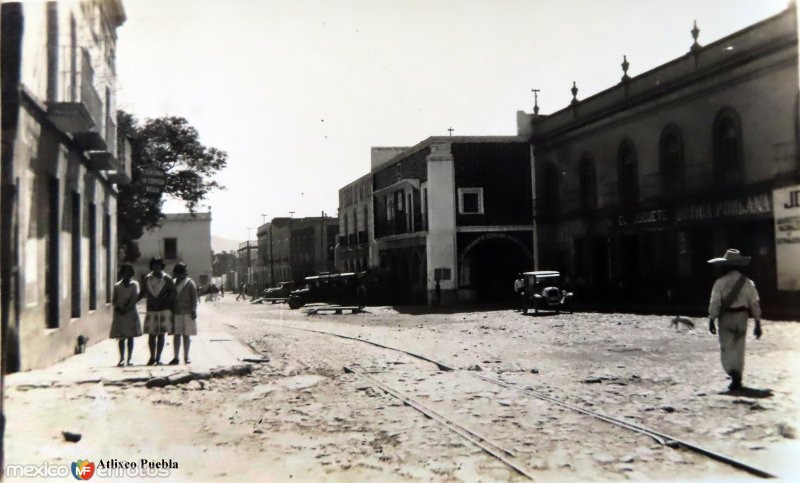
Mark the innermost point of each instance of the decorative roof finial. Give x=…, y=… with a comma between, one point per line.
x=625, y=65
x=695, y=34
x=574, y=94
x=535, y=102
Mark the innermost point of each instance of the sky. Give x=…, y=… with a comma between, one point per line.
x=298, y=91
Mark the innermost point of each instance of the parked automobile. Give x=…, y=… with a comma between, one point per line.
x=543, y=292
x=369, y=287
x=333, y=288
x=282, y=291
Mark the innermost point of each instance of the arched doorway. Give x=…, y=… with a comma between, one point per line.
x=489, y=265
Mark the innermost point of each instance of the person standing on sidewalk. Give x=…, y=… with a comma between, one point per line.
x=733, y=298
x=159, y=290
x=184, y=312
x=126, y=324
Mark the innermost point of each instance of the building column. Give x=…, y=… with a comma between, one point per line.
x=440, y=243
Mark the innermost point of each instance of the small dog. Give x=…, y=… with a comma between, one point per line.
x=678, y=320
x=80, y=347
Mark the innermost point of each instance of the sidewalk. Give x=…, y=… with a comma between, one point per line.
x=211, y=349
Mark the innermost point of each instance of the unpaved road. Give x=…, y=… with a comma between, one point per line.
x=301, y=417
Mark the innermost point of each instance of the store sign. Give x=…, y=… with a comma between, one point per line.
x=153, y=180
x=752, y=205
x=787, y=237
x=760, y=204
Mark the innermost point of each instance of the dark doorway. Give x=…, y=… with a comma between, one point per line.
x=629, y=263
x=52, y=254
x=107, y=247
x=600, y=266
x=92, y=256
x=494, y=264
x=76, y=255
x=701, y=248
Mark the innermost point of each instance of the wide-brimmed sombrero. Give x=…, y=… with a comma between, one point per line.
x=732, y=258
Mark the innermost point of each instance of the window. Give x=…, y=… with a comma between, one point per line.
x=441, y=274
x=728, y=166
x=170, y=248
x=671, y=159
x=588, y=185
x=470, y=201
x=628, y=174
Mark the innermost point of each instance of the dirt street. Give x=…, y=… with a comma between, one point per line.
x=302, y=417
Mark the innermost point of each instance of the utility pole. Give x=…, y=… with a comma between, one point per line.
x=450, y=129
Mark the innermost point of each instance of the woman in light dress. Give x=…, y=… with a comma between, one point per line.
x=125, y=325
x=184, y=312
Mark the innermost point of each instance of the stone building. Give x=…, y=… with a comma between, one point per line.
x=60, y=162
x=182, y=237
x=457, y=210
x=293, y=248
x=638, y=185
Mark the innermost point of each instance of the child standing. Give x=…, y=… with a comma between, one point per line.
x=125, y=324
x=185, y=312
x=159, y=289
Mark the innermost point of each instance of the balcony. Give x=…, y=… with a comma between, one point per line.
x=342, y=240
x=78, y=109
x=122, y=172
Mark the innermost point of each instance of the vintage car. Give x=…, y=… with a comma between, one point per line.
x=282, y=291
x=332, y=288
x=543, y=292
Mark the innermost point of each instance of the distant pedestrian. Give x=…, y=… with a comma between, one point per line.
x=733, y=298
x=242, y=292
x=159, y=290
x=222, y=290
x=126, y=324
x=184, y=312
x=519, y=291
x=438, y=293
x=214, y=292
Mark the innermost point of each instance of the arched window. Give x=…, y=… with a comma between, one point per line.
x=728, y=163
x=670, y=152
x=627, y=174
x=588, y=185
x=550, y=192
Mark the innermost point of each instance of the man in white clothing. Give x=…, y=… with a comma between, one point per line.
x=733, y=298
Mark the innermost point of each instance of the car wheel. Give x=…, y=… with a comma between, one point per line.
x=294, y=304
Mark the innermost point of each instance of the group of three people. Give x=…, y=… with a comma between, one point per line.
x=171, y=309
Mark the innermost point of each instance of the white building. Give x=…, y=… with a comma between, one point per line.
x=182, y=237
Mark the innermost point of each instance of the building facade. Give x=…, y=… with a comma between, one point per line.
x=291, y=249
x=456, y=211
x=60, y=163
x=355, y=226
x=639, y=185
x=182, y=237
x=247, y=255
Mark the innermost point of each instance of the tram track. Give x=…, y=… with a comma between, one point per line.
x=658, y=436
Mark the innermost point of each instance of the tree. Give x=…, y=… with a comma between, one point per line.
x=171, y=145
x=223, y=263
